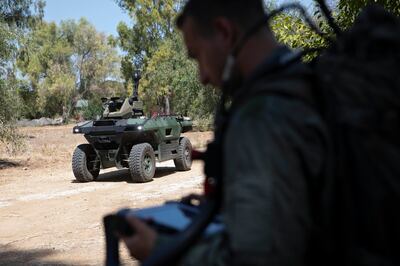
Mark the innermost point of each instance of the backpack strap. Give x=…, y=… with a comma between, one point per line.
x=282, y=71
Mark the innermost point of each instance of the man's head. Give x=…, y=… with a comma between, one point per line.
x=211, y=28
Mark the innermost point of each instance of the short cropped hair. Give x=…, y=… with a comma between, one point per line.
x=243, y=12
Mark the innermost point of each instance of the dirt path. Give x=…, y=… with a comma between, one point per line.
x=46, y=218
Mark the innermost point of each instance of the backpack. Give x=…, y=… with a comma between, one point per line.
x=357, y=89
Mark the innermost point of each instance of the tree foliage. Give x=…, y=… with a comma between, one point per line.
x=21, y=13
x=16, y=16
x=67, y=62
x=348, y=10
x=152, y=22
x=169, y=74
x=155, y=46
x=292, y=31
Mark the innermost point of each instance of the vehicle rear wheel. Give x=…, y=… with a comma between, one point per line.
x=85, y=163
x=184, y=160
x=142, y=163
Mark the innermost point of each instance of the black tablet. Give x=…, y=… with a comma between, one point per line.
x=172, y=217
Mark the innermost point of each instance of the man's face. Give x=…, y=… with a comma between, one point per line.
x=210, y=52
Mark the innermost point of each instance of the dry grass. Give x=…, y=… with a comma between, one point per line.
x=45, y=145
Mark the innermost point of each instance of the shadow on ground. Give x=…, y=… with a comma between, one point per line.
x=164, y=171
x=124, y=175
x=8, y=164
x=10, y=255
x=115, y=176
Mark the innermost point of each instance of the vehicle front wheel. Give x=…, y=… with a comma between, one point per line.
x=184, y=160
x=142, y=163
x=85, y=163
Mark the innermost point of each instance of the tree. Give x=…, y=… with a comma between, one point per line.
x=171, y=78
x=67, y=62
x=348, y=10
x=21, y=13
x=96, y=60
x=153, y=21
x=292, y=31
x=153, y=45
x=44, y=50
x=16, y=16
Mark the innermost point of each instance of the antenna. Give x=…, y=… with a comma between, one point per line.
x=136, y=79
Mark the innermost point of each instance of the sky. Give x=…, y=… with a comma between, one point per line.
x=103, y=14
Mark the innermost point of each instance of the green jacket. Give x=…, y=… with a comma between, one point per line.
x=274, y=152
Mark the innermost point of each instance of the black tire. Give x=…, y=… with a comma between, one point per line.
x=142, y=163
x=85, y=163
x=184, y=160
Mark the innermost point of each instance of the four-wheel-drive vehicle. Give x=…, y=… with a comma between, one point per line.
x=124, y=138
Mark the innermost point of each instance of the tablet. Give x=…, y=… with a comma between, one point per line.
x=172, y=217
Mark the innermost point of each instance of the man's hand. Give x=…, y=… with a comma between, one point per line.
x=193, y=199
x=142, y=242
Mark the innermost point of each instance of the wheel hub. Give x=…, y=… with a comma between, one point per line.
x=148, y=164
x=187, y=154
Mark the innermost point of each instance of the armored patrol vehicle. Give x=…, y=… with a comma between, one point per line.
x=125, y=138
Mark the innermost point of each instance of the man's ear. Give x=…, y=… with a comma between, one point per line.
x=226, y=32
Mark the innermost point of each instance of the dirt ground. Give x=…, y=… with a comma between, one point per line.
x=46, y=218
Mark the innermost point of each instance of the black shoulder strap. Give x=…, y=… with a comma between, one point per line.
x=291, y=85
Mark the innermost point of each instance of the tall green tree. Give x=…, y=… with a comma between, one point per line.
x=67, y=62
x=21, y=13
x=152, y=22
x=95, y=60
x=43, y=51
x=171, y=82
x=16, y=17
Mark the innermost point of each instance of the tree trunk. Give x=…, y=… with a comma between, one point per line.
x=65, y=114
x=167, y=106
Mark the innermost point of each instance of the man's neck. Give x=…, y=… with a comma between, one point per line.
x=254, y=52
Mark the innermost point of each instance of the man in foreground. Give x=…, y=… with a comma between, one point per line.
x=273, y=146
